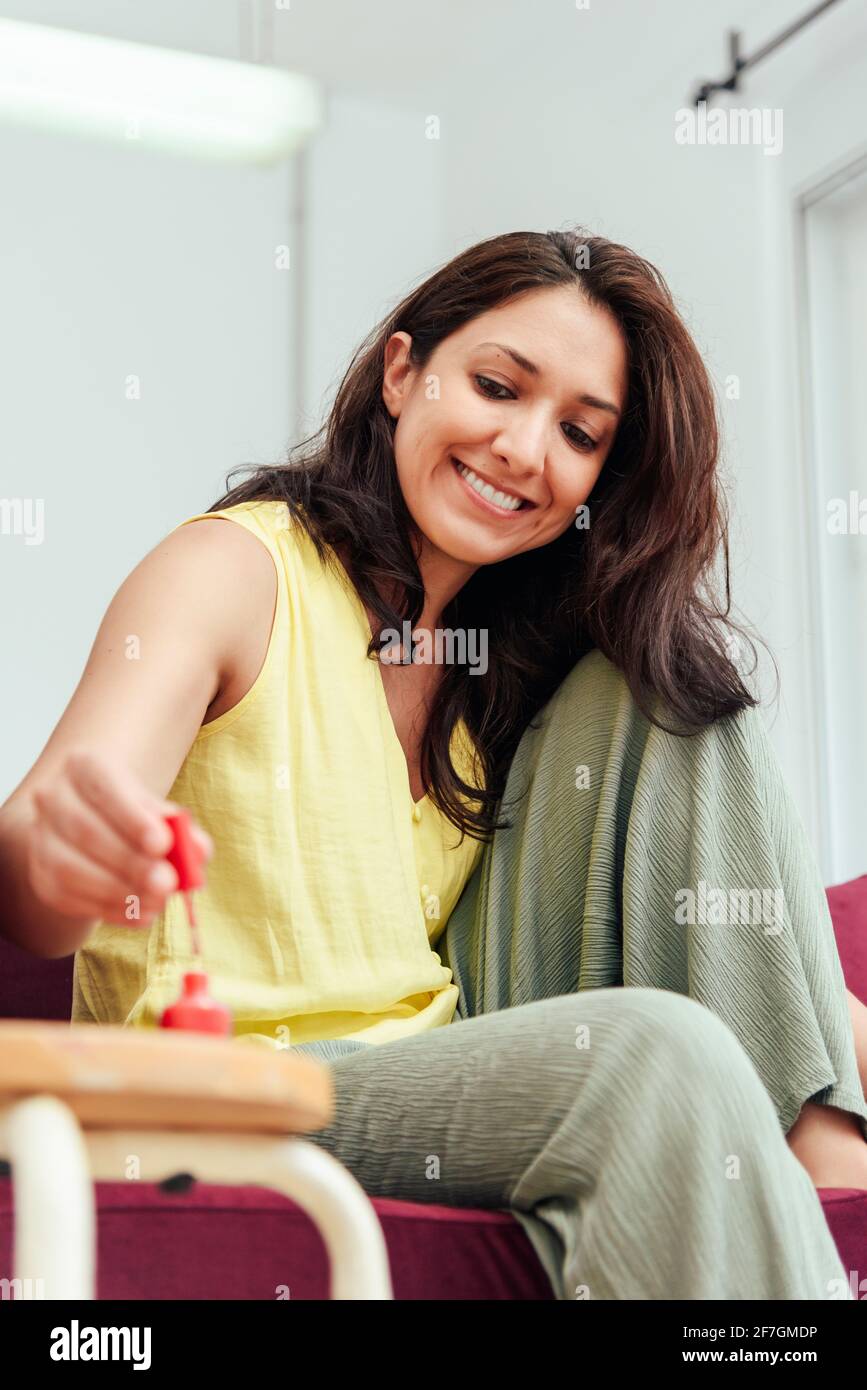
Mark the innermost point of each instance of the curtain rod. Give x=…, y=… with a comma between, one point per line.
x=740, y=64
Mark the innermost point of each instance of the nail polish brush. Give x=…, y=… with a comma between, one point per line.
x=194, y=1010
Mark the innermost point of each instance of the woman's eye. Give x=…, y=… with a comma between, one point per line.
x=583, y=441
x=489, y=387
x=485, y=382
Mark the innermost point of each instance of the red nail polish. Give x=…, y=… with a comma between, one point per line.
x=195, y=1010
x=186, y=859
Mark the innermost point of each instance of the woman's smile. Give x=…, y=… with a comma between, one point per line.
x=495, y=501
x=523, y=458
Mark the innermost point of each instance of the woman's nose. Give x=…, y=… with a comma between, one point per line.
x=522, y=451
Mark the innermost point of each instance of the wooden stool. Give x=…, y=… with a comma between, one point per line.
x=77, y=1101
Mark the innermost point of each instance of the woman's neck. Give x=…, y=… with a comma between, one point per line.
x=443, y=577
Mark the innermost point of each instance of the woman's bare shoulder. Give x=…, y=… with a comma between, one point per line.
x=242, y=600
x=240, y=566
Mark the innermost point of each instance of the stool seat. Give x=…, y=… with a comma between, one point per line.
x=164, y=1079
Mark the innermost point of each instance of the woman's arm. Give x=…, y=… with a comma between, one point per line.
x=166, y=647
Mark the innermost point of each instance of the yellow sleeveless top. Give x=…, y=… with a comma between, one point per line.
x=328, y=886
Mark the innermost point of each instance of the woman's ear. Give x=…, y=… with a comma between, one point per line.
x=397, y=372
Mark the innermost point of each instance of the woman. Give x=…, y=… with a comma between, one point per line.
x=519, y=471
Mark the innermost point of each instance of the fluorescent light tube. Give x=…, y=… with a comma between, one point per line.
x=64, y=81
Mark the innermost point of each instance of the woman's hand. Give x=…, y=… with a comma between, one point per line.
x=98, y=841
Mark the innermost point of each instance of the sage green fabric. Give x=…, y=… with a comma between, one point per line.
x=583, y=892
x=637, y=1132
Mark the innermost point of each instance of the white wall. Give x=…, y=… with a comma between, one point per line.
x=375, y=226
x=822, y=94
x=718, y=222
x=115, y=264
x=549, y=115
x=835, y=350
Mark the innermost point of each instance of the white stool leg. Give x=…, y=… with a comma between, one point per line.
x=53, y=1195
x=309, y=1175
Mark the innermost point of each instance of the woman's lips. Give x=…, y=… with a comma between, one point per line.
x=490, y=507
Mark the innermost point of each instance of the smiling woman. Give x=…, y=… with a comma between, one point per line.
x=574, y=1049
x=523, y=437
x=533, y=375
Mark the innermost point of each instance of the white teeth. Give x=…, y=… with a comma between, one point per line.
x=499, y=499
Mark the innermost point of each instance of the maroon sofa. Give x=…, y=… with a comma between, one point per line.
x=203, y=1242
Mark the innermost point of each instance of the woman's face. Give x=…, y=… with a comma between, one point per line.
x=535, y=432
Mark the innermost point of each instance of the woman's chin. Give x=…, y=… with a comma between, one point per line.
x=466, y=546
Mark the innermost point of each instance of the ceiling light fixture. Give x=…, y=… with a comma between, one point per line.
x=67, y=82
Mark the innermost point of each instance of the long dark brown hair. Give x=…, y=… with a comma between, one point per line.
x=637, y=583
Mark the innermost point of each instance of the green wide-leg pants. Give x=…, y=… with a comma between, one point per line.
x=649, y=992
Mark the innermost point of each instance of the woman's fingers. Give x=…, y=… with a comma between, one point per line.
x=203, y=840
x=119, y=800
x=77, y=824
x=99, y=843
x=201, y=837
x=75, y=884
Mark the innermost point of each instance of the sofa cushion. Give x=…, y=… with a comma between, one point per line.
x=34, y=988
x=252, y=1243
x=848, y=905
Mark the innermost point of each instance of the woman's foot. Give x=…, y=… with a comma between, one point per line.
x=830, y=1144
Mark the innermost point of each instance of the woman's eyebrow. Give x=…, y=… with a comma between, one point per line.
x=532, y=370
